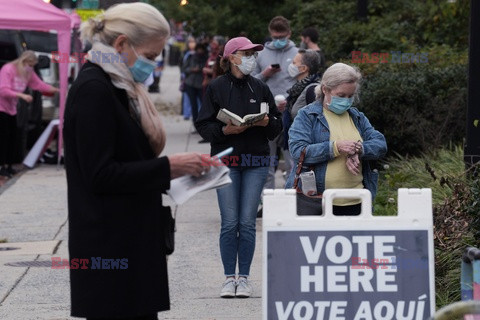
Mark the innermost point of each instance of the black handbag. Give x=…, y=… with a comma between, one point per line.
x=169, y=230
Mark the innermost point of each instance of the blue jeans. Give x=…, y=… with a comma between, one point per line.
x=195, y=96
x=238, y=204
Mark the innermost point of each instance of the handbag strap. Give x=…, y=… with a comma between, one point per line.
x=299, y=167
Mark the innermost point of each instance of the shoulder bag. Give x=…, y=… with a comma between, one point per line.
x=169, y=230
x=306, y=204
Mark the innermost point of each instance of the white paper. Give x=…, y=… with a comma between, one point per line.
x=39, y=146
x=263, y=107
x=184, y=188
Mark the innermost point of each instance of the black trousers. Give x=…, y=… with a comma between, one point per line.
x=313, y=207
x=147, y=317
x=8, y=129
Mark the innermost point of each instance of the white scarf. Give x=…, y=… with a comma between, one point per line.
x=140, y=105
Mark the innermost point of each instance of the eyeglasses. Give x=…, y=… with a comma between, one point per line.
x=248, y=54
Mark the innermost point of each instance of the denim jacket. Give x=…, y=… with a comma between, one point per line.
x=310, y=129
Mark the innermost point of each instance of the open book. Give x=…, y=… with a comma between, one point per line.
x=185, y=187
x=224, y=115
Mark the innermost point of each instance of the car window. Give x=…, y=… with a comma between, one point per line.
x=10, y=46
x=47, y=41
x=41, y=41
x=7, y=51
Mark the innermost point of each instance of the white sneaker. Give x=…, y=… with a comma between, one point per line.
x=244, y=288
x=228, y=288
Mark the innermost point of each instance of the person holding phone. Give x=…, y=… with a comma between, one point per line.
x=241, y=94
x=117, y=170
x=272, y=68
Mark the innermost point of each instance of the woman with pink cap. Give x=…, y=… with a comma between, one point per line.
x=241, y=94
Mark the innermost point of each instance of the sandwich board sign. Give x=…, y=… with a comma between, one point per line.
x=348, y=267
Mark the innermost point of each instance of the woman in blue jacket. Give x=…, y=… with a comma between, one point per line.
x=339, y=142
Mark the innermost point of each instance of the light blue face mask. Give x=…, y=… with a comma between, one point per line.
x=280, y=43
x=340, y=105
x=142, y=68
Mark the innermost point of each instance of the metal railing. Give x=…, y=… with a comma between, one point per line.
x=469, y=307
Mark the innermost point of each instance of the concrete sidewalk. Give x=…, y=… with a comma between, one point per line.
x=34, y=209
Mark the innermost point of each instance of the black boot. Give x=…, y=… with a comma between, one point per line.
x=11, y=170
x=154, y=87
x=4, y=172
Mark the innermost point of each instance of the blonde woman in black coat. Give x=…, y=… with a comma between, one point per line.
x=115, y=174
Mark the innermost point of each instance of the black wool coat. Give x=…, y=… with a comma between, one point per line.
x=115, y=211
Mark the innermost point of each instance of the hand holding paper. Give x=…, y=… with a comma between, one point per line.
x=185, y=187
x=190, y=163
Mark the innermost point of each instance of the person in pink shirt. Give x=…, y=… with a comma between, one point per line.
x=15, y=77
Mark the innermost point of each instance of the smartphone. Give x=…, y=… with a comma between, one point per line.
x=276, y=65
x=224, y=153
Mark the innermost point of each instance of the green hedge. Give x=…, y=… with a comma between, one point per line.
x=406, y=26
x=455, y=208
x=416, y=106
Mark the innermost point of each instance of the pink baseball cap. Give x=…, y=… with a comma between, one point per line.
x=240, y=43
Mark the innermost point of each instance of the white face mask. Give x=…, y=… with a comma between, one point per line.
x=248, y=65
x=293, y=70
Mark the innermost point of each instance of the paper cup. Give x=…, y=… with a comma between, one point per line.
x=279, y=98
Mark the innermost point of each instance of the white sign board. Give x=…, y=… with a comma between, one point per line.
x=348, y=267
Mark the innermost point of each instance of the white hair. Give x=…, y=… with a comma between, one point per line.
x=140, y=22
x=337, y=74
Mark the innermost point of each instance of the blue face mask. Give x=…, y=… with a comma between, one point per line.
x=142, y=68
x=280, y=43
x=340, y=105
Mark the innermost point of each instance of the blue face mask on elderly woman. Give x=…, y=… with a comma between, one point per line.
x=142, y=68
x=339, y=105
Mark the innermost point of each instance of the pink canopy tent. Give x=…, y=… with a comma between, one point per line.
x=76, y=20
x=41, y=16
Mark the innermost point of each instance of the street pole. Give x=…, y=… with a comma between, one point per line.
x=471, y=153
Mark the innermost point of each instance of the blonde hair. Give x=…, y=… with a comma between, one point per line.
x=337, y=74
x=19, y=63
x=140, y=22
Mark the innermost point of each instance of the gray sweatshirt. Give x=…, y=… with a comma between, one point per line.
x=281, y=81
